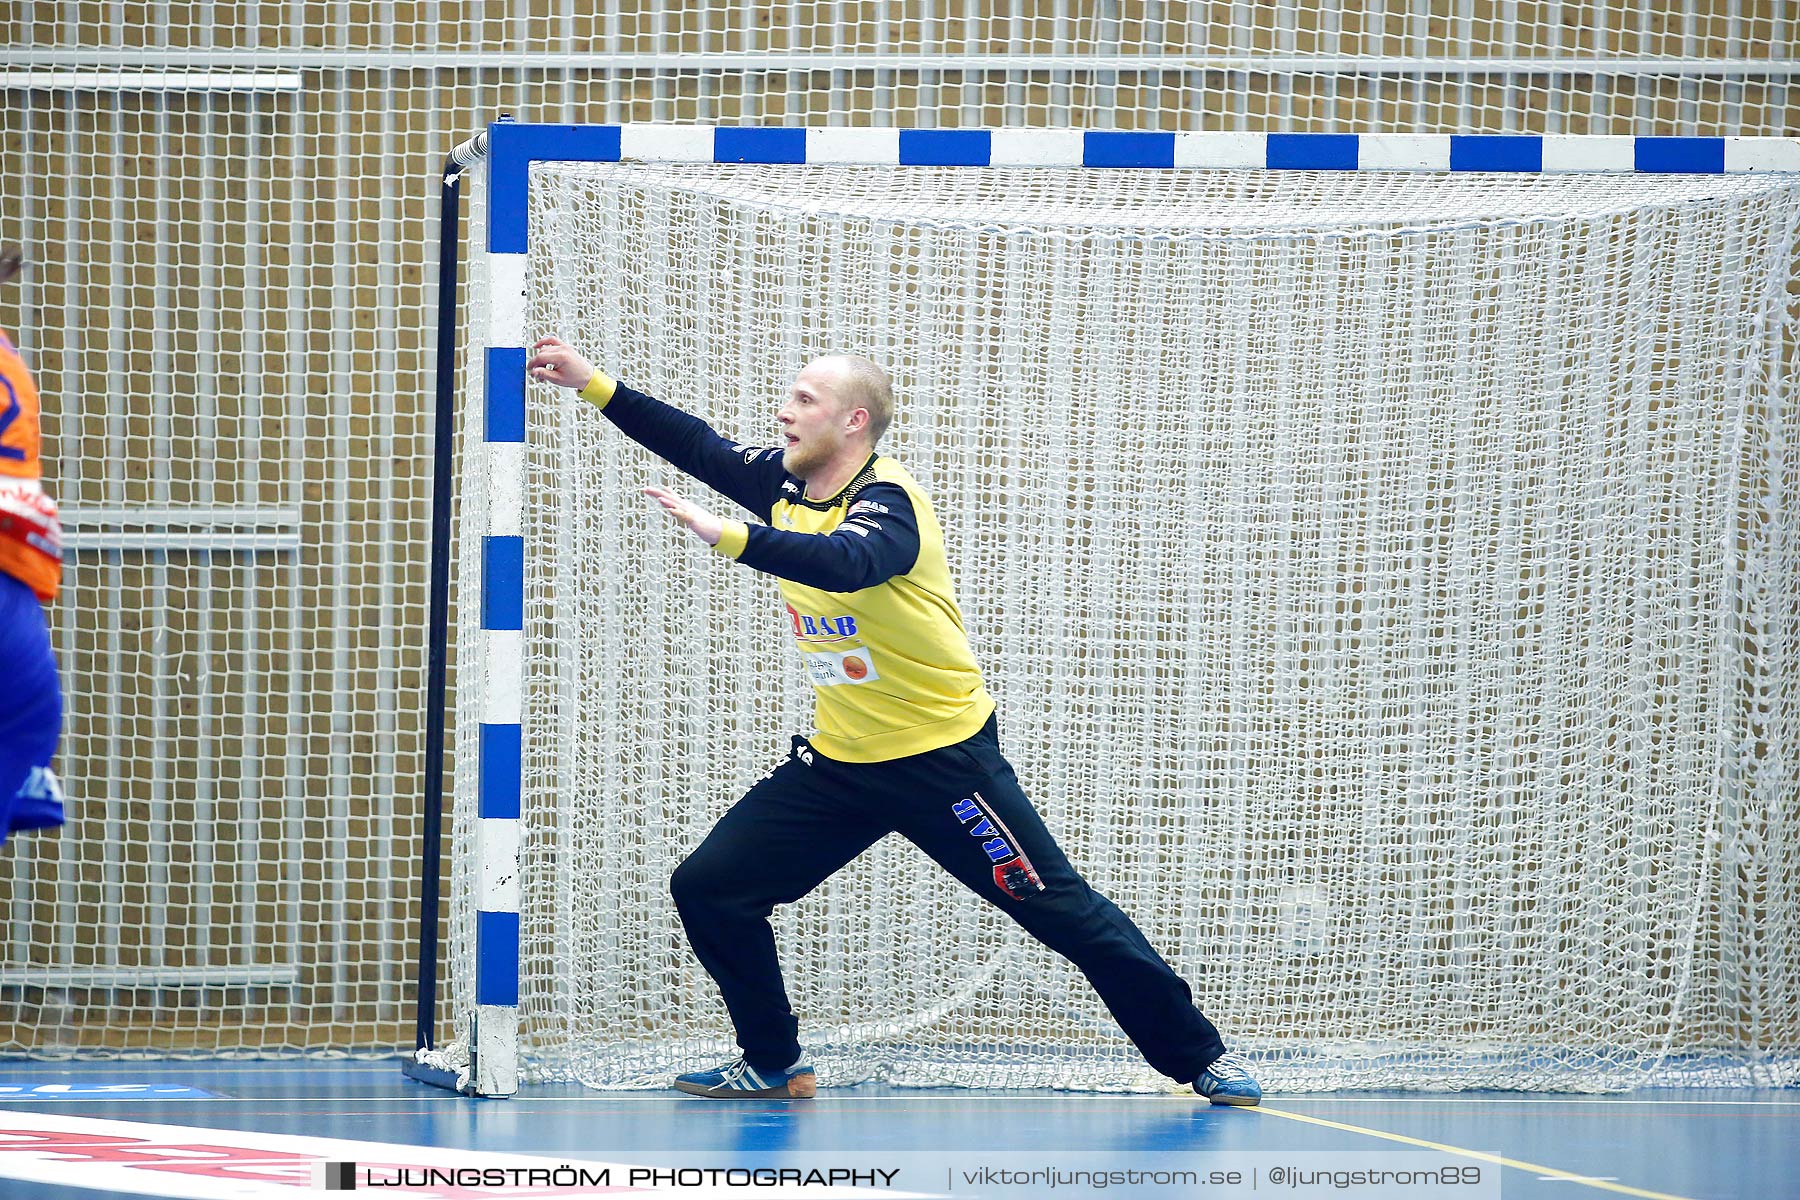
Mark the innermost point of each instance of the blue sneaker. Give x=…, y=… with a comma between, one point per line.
x=1228, y=1081
x=741, y=1081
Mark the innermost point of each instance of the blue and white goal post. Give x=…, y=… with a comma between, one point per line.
x=501, y=511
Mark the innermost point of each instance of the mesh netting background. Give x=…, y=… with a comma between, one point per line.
x=230, y=213
x=1383, y=580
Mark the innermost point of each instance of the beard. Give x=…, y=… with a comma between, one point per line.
x=798, y=460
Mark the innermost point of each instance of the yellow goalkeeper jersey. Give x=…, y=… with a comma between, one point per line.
x=890, y=663
x=868, y=589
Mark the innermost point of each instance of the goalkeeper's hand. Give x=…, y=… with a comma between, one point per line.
x=555, y=361
x=705, y=525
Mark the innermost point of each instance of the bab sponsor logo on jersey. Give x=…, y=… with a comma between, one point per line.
x=1013, y=872
x=822, y=629
x=830, y=668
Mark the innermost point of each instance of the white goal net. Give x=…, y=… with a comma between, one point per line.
x=1389, y=583
x=227, y=208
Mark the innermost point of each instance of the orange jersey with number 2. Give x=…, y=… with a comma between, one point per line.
x=30, y=534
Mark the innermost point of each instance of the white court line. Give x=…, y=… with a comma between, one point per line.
x=1542, y=1171
x=1454, y=1098
x=117, y=1067
x=438, y=1096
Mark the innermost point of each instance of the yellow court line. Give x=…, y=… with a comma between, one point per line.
x=1515, y=1163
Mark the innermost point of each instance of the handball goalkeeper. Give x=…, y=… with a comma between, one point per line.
x=906, y=739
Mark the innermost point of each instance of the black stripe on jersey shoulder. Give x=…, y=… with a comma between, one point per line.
x=845, y=497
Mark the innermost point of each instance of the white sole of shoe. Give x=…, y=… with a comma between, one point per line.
x=800, y=1087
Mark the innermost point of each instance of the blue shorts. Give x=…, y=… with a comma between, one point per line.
x=30, y=714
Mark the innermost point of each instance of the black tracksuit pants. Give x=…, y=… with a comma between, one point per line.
x=963, y=806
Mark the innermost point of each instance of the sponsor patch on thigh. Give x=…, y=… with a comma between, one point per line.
x=1013, y=872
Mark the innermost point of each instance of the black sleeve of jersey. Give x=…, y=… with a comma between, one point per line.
x=748, y=475
x=870, y=547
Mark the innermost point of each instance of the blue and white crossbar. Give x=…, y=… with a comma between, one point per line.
x=512, y=148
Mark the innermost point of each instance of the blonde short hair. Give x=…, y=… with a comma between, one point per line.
x=865, y=385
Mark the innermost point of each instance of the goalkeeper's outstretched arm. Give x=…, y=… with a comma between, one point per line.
x=860, y=553
x=749, y=475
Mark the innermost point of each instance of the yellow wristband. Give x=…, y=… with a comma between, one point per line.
x=599, y=389
x=733, y=538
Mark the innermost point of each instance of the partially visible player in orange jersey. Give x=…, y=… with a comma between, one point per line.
x=30, y=571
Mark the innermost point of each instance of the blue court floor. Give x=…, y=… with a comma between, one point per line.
x=1718, y=1145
